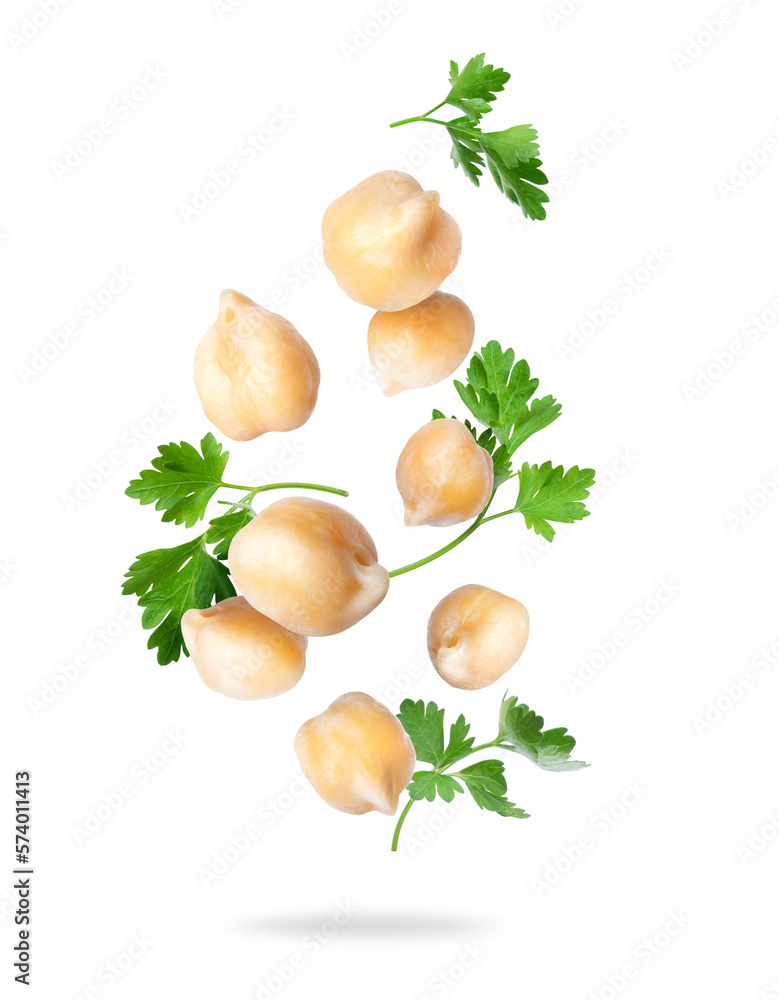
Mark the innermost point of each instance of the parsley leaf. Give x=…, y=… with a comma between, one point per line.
x=466, y=151
x=169, y=582
x=519, y=730
x=511, y=154
x=222, y=529
x=183, y=480
x=497, y=390
x=541, y=413
x=512, y=145
x=486, y=439
x=428, y=784
x=487, y=785
x=425, y=726
x=550, y=494
x=498, y=393
x=475, y=86
x=460, y=743
x=515, y=183
x=550, y=749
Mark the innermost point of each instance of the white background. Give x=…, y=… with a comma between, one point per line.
x=640, y=139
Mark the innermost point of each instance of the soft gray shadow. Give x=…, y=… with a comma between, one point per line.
x=366, y=925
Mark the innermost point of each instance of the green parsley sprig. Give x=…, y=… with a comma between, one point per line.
x=520, y=730
x=510, y=155
x=183, y=481
x=168, y=582
x=499, y=394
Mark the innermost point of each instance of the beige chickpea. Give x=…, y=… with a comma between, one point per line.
x=253, y=371
x=356, y=755
x=308, y=565
x=388, y=242
x=475, y=635
x=422, y=345
x=239, y=652
x=443, y=476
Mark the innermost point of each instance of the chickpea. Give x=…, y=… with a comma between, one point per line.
x=241, y=653
x=422, y=345
x=443, y=476
x=356, y=755
x=388, y=242
x=308, y=565
x=475, y=635
x=254, y=372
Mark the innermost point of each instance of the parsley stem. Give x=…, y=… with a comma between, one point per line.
x=428, y=113
x=468, y=130
x=485, y=746
x=503, y=513
x=401, y=818
x=457, y=128
x=286, y=486
x=447, y=548
x=420, y=118
x=443, y=770
x=407, y=121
